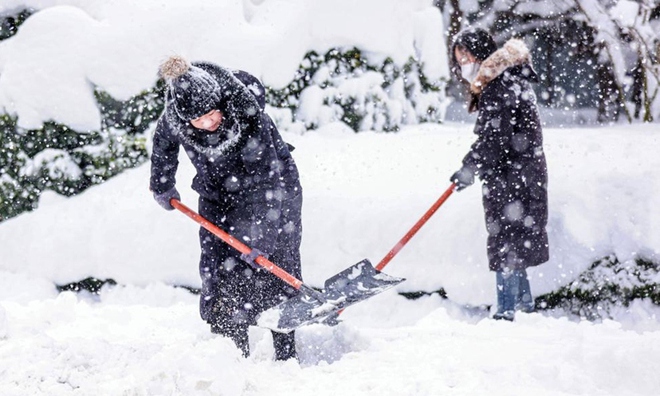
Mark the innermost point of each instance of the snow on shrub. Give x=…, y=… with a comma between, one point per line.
x=364, y=92
x=606, y=285
x=58, y=158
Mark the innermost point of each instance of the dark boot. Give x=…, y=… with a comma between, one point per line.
x=285, y=345
x=506, y=315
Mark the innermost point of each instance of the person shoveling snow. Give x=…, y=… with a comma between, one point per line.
x=249, y=185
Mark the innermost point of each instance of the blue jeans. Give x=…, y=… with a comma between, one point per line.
x=513, y=293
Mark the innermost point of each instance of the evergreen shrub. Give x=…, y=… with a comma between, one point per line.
x=364, y=92
x=607, y=284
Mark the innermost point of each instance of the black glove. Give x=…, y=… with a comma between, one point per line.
x=163, y=199
x=250, y=257
x=462, y=178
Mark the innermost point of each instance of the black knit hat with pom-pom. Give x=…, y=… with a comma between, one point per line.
x=192, y=91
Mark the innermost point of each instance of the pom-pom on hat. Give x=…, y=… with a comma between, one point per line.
x=192, y=91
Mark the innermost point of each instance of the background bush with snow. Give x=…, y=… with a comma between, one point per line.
x=365, y=94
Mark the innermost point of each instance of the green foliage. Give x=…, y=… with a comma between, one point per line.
x=608, y=283
x=91, y=284
x=53, y=135
x=135, y=115
x=441, y=292
x=9, y=23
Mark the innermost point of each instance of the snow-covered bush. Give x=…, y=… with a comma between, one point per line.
x=16, y=195
x=362, y=91
x=136, y=114
x=58, y=158
x=607, y=284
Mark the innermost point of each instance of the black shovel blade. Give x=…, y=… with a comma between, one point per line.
x=348, y=287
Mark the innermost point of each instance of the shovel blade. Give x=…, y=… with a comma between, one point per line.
x=356, y=283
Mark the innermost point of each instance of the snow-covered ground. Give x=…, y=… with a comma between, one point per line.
x=149, y=341
x=362, y=193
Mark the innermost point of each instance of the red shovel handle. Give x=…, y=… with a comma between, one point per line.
x=238, y=245
x=389, y=256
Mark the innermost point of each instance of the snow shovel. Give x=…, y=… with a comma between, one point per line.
x=346, y=288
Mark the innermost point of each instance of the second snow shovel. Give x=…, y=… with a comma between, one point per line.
x=346, y=288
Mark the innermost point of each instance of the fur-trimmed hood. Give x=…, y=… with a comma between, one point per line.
x=513, y=53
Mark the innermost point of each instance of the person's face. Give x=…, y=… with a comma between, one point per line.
x=209, y=122
x=464, y=57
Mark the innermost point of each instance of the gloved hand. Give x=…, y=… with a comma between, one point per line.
x=250, y=257
x=163, y=199
x=462, y=178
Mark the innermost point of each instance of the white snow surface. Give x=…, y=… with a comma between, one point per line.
x=362, y=193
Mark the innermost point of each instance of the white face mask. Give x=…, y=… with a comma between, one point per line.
x=469, y=71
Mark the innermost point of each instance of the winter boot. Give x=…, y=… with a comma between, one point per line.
x=506, y=315
x=285, y=346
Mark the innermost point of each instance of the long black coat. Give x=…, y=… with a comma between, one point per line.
x=508, y=157
x=248, y=185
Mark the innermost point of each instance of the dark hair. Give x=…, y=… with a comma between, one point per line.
x=476, y=41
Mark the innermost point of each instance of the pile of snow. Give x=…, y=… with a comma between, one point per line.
x=150, y=341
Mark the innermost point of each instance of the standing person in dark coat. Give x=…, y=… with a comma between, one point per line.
x=508, y=157
x=248, y=185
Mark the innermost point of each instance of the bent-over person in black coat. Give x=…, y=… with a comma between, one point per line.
x=248, y=185
x=508, y=157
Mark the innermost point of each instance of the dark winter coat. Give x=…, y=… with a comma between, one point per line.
x=508, y=157
x=249, y=186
